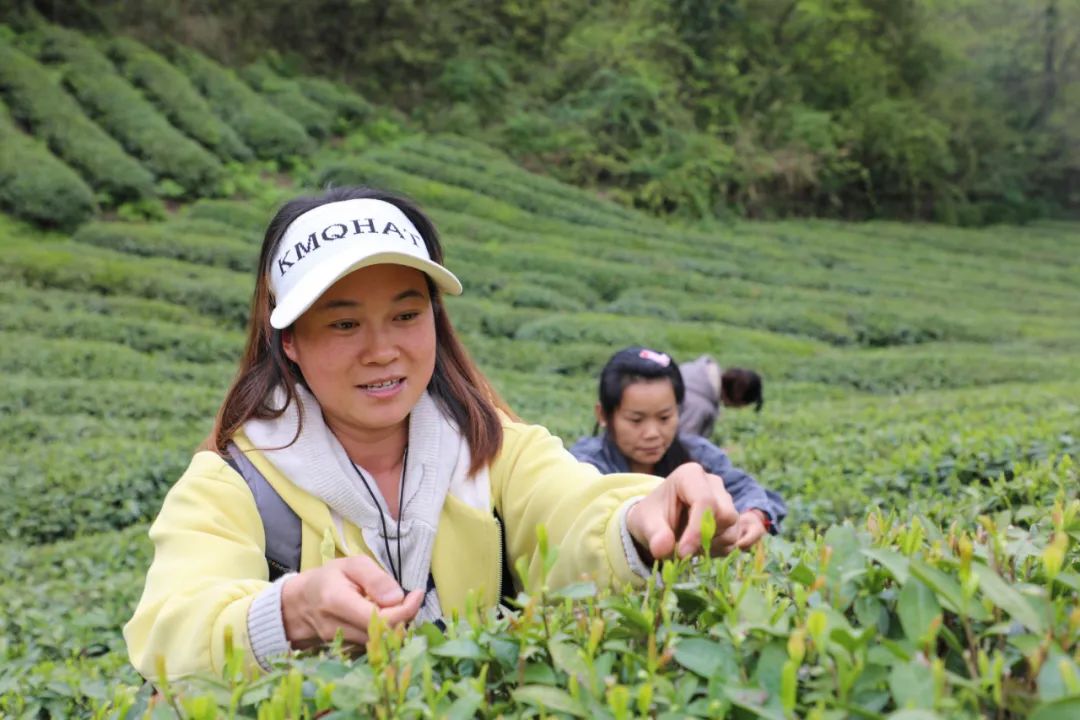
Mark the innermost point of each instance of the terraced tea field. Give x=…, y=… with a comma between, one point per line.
x=911, y=372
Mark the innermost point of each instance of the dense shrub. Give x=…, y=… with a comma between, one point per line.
x=516, y=294
x=149, y=399
x=269, y=132
x=71, y=266
x=35, y=185
x=348, y=105
x=179, y=342
x=506, y=186
x=894, y=460
x=94, y=360
x=286, y=95
x=937, y=366
x=887, y=615
x=129, y=117
x=176, y=98
x=240, y=215
x=204, y=242
x=95, y=485
x=38, y=102
x=59, y=301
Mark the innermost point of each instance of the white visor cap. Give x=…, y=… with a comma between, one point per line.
x=328, y=242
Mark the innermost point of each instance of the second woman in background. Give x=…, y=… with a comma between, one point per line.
x=641, y=391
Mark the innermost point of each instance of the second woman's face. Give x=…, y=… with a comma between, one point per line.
x=367, y=349
x=645, y=423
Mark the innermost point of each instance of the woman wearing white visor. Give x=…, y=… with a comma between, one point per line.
x=408, y=481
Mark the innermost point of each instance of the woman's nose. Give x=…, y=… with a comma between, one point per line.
x=378, y=348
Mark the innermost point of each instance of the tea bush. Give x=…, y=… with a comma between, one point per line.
x=72, y=266
x=130, y=399
x=347, y=104
x=97, y=484
x=57, y=301
x=286, y=95
x=100, y=360
x=179, y=342
x=245, y=216
x=176, y=98
x=35, y=185
x=889, y=615
x=270, y=133
x=122, y=110
x=203, y=242
x=921, y=421
x=38, y=102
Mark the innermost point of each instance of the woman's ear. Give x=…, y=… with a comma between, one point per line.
x=288, y=343
x=600, y=419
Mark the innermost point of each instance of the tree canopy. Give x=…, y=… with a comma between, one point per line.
x=962, y=111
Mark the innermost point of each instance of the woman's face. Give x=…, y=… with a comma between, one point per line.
x=367, y=349
x=645, y=423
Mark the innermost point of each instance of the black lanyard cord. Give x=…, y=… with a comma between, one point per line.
x=398, y=570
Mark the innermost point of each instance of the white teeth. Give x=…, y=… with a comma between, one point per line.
x=381, y=386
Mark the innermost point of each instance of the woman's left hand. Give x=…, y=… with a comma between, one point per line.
x=668, y=520
x=751, y=528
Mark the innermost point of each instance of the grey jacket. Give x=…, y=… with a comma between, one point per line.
x=701, y=406
x=745, y=491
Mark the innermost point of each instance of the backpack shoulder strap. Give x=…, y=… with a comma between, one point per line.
x=507, y=592
x=281, y=524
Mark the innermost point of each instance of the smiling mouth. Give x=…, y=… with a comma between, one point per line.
x=383, y=384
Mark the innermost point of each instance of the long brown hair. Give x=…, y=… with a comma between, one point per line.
x=457, y=385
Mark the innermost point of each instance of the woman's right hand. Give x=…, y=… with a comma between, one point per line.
x=343, y=594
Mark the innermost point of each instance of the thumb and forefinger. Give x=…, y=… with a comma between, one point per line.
x=700, y=494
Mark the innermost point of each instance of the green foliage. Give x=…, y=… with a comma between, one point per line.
x=38, y=102
x=176, y=98
x=129, y=117
x=84, y=268
x=348, y=106
x=244, y=216
x=205, y=242
x=920, y=420
x=269, y=132
x=950, y=111
x=890, y=616
x=287, y=95
x=35, y=185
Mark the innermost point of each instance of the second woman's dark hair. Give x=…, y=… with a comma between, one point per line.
x=636, y=364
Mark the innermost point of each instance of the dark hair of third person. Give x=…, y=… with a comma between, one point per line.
x=743, y=387
x=632, y=365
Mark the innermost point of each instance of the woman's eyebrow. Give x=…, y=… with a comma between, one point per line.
x=409, y=294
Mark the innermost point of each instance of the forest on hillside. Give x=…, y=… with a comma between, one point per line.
x=957, y=111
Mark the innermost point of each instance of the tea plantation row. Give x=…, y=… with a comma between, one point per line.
x=110, y=123
x=920, y=404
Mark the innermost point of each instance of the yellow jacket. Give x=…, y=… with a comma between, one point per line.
x=209, y=543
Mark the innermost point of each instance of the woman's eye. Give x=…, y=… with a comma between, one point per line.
x=343, y=325
x=409, y=315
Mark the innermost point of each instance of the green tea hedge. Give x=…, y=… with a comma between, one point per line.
x=203, y=242
x=286, y=95
x=38, y=102
x=349, y=106
x=269, y=132
x=176, y=98
x=122, y=110
x=35, y=185
x=891, y=617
